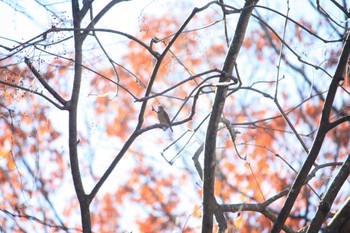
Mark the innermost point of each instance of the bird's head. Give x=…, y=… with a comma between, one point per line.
x=160, y=108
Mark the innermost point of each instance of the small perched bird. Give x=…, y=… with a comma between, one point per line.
x=164, y=118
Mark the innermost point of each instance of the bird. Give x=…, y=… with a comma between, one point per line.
x=164, y=118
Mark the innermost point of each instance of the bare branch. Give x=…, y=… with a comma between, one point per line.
x=326, y=203
x=36, y=93
x=340, y=221
x=44, y=83
x=316, y=147
x=138, y=129
x=98, y=16
x=195, y=158
x=217, y=108
x=42, y=222
x=339, y=121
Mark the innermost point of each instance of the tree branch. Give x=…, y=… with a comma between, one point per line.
x=340, y=222
x=44, y=83
x=209, y=202
x=325, y=205
x=148, y=91
x=36, y=93
x=98, y=16
x=73, y=128
x=317, y=144
x=339, y=121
